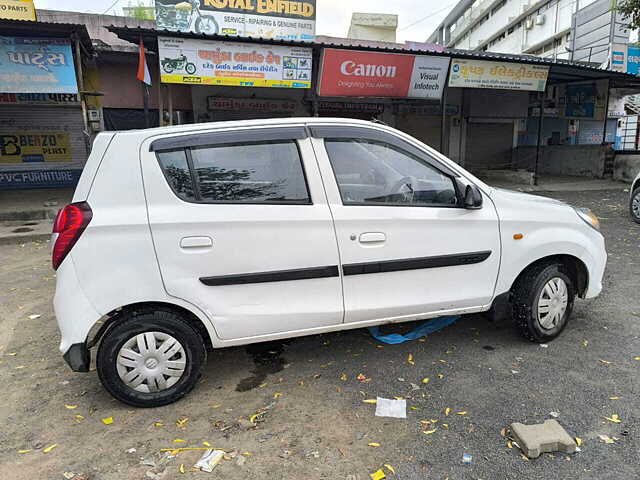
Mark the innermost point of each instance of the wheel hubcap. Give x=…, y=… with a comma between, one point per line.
x=635, y=206
x=552, y=303
x=151, y=362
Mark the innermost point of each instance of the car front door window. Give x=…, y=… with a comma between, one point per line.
x=371, y=172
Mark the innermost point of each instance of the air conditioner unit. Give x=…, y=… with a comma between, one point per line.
x=540, y=19
x=528, y=24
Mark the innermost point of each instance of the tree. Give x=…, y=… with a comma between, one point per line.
x=140, y=11
x=630, y=10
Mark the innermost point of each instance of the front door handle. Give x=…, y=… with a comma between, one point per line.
x=372, y=237
x=196, y=242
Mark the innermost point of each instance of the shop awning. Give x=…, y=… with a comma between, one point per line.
x=26, y=28
x=561, y=71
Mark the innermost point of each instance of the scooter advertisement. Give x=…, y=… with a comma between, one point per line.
x=274, y=19
x=209, y=62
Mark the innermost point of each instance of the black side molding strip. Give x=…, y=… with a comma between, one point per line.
x=416, y=263
x=276, y=276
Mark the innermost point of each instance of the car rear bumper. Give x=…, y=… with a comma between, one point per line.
x=77, y=357
x=74, y=313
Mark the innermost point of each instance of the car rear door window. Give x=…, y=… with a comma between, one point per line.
x=176, y=170
x=257, y=172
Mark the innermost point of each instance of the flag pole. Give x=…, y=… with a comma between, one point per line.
x=144, y=75
x=145, y=101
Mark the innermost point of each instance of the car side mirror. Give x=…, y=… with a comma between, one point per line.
x=472, y=198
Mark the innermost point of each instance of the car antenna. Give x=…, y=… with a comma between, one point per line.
x=376, y=120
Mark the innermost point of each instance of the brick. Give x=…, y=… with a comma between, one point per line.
x=543, y=437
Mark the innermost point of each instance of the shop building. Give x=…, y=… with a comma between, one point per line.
x=43, y=103
x=479, y=108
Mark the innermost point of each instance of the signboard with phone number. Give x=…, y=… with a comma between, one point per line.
x=208, y=62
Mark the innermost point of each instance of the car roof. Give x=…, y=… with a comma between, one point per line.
x=269, y=122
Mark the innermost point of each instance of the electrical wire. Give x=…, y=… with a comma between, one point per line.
x=112, y=5
x=427, y=16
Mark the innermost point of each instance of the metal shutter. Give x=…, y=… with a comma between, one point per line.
x=29, y=118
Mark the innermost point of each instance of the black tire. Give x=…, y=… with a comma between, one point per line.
x=167, y=67
x=209, y=21
x=525, y=295
x=635, y=196
x=191, y=68
x=135, y=323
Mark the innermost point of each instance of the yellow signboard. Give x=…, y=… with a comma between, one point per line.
x=209, y=62
x=34, y=147
x=17, y=10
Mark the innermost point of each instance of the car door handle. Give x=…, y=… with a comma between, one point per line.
x=196, y=242
x=372, y=237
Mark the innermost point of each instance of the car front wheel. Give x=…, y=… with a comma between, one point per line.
x=150, y=358
x=634, y=205
x=542, y=301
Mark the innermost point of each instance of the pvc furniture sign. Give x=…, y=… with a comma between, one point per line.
x=352, y=73
x=36, y=65
x=498, y=75
x=208, y=62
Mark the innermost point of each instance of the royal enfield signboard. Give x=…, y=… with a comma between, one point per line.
x=278, y=19
x=208, y=62
x=36, y=65
x=352, y=73
x=500, y=75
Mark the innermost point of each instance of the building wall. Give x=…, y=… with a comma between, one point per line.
x=373, y=26
x=573, y=160
x=501, y=26
x=122, y=89
x=199, y=94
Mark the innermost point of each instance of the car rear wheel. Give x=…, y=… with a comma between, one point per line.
x=542, y=301
x=634, y=205
x=150, y=358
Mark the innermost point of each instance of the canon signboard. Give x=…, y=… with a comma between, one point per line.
x=352, y=73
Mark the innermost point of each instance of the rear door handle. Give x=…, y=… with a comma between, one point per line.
x=372, y=237
x=196, y=242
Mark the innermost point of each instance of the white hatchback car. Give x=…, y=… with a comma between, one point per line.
x=188, y=238
x=634, y=200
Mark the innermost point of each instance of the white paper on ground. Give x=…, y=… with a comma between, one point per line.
x=391, y=408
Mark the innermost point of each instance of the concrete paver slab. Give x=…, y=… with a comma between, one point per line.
x=543, y=437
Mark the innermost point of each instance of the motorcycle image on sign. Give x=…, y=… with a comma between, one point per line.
x=184, y=17
x=180, y=63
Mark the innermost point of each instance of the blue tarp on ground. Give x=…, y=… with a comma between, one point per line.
x=425, y=329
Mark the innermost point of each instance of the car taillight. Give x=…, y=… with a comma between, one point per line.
x=69, y=225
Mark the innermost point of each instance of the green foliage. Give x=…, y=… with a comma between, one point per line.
x=630, y=10
x=140, y=11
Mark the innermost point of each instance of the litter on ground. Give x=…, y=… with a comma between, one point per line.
x=386, y=407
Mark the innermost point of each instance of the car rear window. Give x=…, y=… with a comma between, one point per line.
x=176, y=171
x=251, y=172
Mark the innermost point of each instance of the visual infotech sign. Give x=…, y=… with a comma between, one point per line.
x=352, y=73
x=279, y=19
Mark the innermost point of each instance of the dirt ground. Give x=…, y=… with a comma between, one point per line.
x=313, y=422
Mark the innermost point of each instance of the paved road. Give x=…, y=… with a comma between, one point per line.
x=319, y=427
